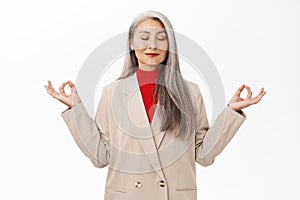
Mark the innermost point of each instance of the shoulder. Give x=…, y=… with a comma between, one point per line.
x=194, y=90
x=192, y=85
x=118, y=84
x=110, y=86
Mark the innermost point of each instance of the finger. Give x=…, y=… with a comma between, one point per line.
x=50, y=85
x=264, y=93
x=53, y=93
x=73, y=89
x=61, y=88
x=261, y=91
x=249, y=95
x=71, y=84
x=258, y=97
x=46, y=86
x=239, y=90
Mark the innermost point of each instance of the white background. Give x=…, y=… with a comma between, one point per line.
x=253, y=42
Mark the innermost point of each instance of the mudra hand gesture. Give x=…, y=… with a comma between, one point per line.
x=237, y=103
x=70, y=99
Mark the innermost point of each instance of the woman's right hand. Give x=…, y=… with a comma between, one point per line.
x=70, y=100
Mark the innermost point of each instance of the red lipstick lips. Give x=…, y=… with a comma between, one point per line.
x=152, y=54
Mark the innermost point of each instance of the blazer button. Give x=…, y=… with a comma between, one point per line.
x=138, y=184
x=162, y=183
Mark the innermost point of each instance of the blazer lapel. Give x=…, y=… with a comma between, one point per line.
x=150, y=137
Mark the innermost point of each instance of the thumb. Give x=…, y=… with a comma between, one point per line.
x=73, y=89
x=71, y=83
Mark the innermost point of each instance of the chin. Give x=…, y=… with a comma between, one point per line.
x=152, y=64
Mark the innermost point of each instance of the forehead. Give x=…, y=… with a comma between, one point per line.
x=150, y=30
x=149, y=26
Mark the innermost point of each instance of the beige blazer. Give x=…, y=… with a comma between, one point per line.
x=143, y=162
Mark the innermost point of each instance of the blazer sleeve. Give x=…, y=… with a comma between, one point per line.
x=210, y=141
x=90, y=135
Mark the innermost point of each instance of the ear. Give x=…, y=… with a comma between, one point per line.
x=130, y=43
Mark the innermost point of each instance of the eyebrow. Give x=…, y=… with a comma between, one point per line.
x=149, y=32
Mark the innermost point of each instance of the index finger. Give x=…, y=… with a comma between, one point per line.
x=62, y=87
x=71, y=84
x=239, y=90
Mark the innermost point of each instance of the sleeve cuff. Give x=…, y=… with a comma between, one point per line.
x=68, y=113
x=239, y=113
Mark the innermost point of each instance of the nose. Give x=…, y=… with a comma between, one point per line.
x=152, y=44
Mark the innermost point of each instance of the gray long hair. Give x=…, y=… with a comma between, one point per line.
x=173, y=93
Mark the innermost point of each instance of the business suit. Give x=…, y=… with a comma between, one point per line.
x=147, y=167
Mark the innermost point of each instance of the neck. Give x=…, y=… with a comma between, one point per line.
x=148, y=67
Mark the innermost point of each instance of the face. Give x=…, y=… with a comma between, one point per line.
x=150, y=44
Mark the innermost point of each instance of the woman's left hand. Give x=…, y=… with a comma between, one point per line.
x=237, y=103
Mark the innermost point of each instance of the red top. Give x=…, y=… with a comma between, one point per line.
x=147, y=82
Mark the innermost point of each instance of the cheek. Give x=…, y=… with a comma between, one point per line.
x=139, y=53
x=163, y=46
x=163, y=54
x=140, y=44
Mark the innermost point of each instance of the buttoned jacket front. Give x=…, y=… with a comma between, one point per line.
x=144, y=162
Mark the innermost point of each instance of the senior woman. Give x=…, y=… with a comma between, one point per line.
x=151, y=127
